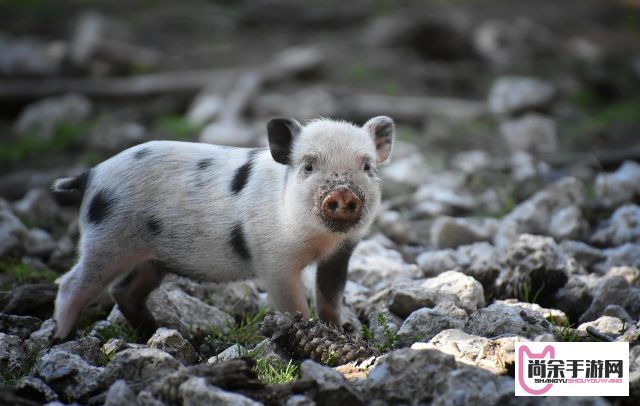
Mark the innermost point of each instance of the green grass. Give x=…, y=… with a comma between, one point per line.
x=272, y=371
x=528, y=296
x=118, y=330
x=567, y=332
x=246, y=332
x=23, y=273
x=178, y=127
x=24, y=146
x=390, y=337
x=10, y=377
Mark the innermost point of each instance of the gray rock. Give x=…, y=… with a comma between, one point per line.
x=406, y=298
x=13, y=234
x=605, y=324
x=480, y=261
x=406, y=159
x=112, y=135
x=625, y=255
x=39, y=208
x=170, y=341
x=586, y=255
x=466, y=291
x=189, y=315
x=575, y=297
x=146, y=398
x=532, y=132
x=139, y=367
x=535, y=269
x=12, y=355
x=39, y=243
x=31, y=299
x=229, y=132
x=41, y=338
x=423, y=324
x=613, y=291
x=27, y=56
x=514, y=94
x=629, y=273
x=120, y=394
x=21, y=326
x=232, y=352
x=87, y=348
x=235, y=298
x=471, y=162
x=34, y=388
x=557, y=317
x=449, y=232
x=617, y=312
x=68, y=374
x=500, y=319
x=622, y=227
x=451, y=310
x=525, y=166
x=333, y=388
x=441, y=197
x=615, y=188
x=375, y=266
x=44, y=116
x=534, y=215
x=196, y=391
x=299, y=400
x=384, y=331
x=567, y=223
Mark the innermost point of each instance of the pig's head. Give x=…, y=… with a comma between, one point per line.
x=331, y=179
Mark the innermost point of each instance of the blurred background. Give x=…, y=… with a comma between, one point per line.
x=493, y=98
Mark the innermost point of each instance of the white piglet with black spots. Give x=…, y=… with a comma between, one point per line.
x=220, y=213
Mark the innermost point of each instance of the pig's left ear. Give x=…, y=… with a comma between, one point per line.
x=281, y=133
x=382, y=131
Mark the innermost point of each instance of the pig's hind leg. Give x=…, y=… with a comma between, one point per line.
x=94, y=271
x=131, y=293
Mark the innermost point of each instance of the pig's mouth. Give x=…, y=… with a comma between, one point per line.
x=340, y=205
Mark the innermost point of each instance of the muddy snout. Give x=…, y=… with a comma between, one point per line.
x=342, y=205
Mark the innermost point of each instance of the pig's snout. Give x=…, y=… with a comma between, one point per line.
x=342, y=205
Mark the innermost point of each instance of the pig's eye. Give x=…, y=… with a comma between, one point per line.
x=308, y=167
x=367, y=166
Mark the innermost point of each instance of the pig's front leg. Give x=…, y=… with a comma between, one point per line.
x=331, y=278
x=285, y=290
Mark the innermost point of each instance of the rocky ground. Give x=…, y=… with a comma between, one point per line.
x=511, y=207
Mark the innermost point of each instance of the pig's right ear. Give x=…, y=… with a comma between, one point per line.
x=282, y=132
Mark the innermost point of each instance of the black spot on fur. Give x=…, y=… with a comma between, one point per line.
x=154, y=225
x=100, y=206
x=242, y=174
x=141, y=153
x=239, y=243
x=204, y=163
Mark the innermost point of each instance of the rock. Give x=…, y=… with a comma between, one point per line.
x=32, y=299
x=39, y=243
x=196, y=391
x=13, y=234
x=471, y=162
x=422, y=377
x=236, y=298
x=525, y=166
x=67, y=374
x=42, y=117
x=234, y=351
x=39, y=208
x=449, y=232
x=619, y=187
x=170, y=341
x=500, y=319
x=617, y=312
x=567, y=223
x=305, y=104
x=299, y=400
x=27, y=56
x=586, y=255
x=605, y=324
x=204, y=108
x=532, y=132
x=21, y=326
x=139, y=367
x=623, y=227
x=451, y=310
x=42, y=337
x=189, y=315
x=64, y=255
x=575, y=297
x=442, y=198
x=406, y=298
x=120, y=394
x=629, y=273
x=12, y=355
x=88, y=348
x=467, y=291
x=114, y=135
x=535, y=269
x=625, y=255
x=480, y=261
x=375, y=267
x=554, y=316
x=613, y=290
x=496, y=356
x=35, y=389
x=146, y=398
x=510, y=95
x=423, y=324
x=333, y=388
x=534, y=215
x=406, y=159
